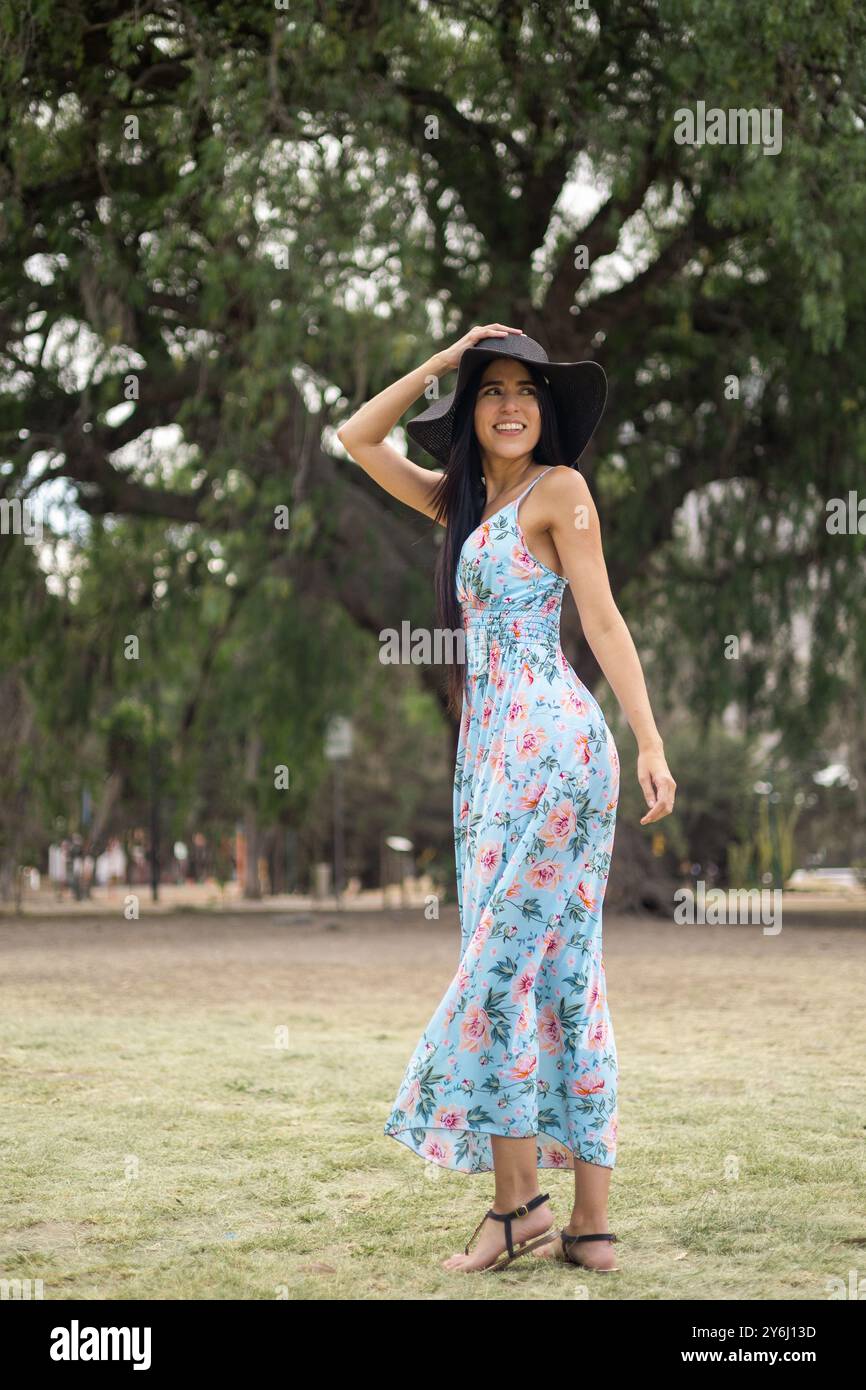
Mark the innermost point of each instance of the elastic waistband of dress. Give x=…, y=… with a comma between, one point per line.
x=513, y=624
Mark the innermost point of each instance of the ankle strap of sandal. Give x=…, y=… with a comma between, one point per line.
x=521, y=1210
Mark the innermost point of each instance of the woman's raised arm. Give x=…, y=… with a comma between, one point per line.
x=363, y=436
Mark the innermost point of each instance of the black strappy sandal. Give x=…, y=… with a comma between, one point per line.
x=568, y=1240
x=523, y=1247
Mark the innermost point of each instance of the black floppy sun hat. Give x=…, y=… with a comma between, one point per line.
x=579, y=391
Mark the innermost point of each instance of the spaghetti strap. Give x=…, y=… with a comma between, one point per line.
x=538, y=479
x=534, y=481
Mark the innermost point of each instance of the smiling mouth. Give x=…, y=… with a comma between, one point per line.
x=513, y=427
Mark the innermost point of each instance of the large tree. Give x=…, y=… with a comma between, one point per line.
x=241, y=220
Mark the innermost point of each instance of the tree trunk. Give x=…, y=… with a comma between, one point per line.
x=252, y=887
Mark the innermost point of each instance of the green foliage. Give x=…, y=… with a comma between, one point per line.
x=310, y=198
x=749, y=811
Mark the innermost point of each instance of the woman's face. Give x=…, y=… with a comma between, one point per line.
x=507, y=413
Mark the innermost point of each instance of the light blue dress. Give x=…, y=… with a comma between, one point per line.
x=522, y=1042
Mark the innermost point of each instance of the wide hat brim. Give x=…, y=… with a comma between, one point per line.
x=579, y=391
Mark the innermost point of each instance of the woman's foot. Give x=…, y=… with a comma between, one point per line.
x=491, y=1237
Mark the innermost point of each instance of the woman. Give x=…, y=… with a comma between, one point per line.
x=517, y=1068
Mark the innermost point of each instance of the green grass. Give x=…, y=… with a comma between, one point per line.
x=159, y=1142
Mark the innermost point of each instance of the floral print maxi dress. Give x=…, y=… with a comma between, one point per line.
x=522, y=1042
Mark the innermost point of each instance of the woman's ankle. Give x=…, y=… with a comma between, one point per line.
x=507, y=1205
x=587, y=1222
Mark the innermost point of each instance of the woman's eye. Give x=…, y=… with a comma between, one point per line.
x=491, y=390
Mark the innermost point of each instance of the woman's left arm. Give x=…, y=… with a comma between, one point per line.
x=576, y=533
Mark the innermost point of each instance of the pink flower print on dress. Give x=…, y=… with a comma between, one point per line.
x=615, y=775
x=475, y=1029
x=523, y=984
x=547, y=873
x=608, y=1138
x=514, y=893
x=486, y=711
x=524, y=1020
x=573, y=704
x=497, y=759
x=555, y=1156
x=581, y=747
x=529, y=743
x=495, y=658
x=450, y=1117
x=409, y=1101
x=532, y=794
x=583, y=894
x=560, y=825
x=526, y=673
x=518, y=710
x=481, y=933
x=596, y=1034
x=487, y=860
x=462, y=978
x=523, y=564
x=464, y=810
x=481, y=536
x=524, y=1067
x=595, y=996
x=588, y=1085
x=554, y=942
x=550, y=1030
x=436, y=1151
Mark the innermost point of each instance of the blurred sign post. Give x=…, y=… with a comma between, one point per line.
x=338, y=748
x=181, y=854
x=402, y=847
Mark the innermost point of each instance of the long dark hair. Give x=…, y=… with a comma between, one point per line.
x=460, y=498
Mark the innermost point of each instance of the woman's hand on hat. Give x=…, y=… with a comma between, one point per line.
x=451, y=356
